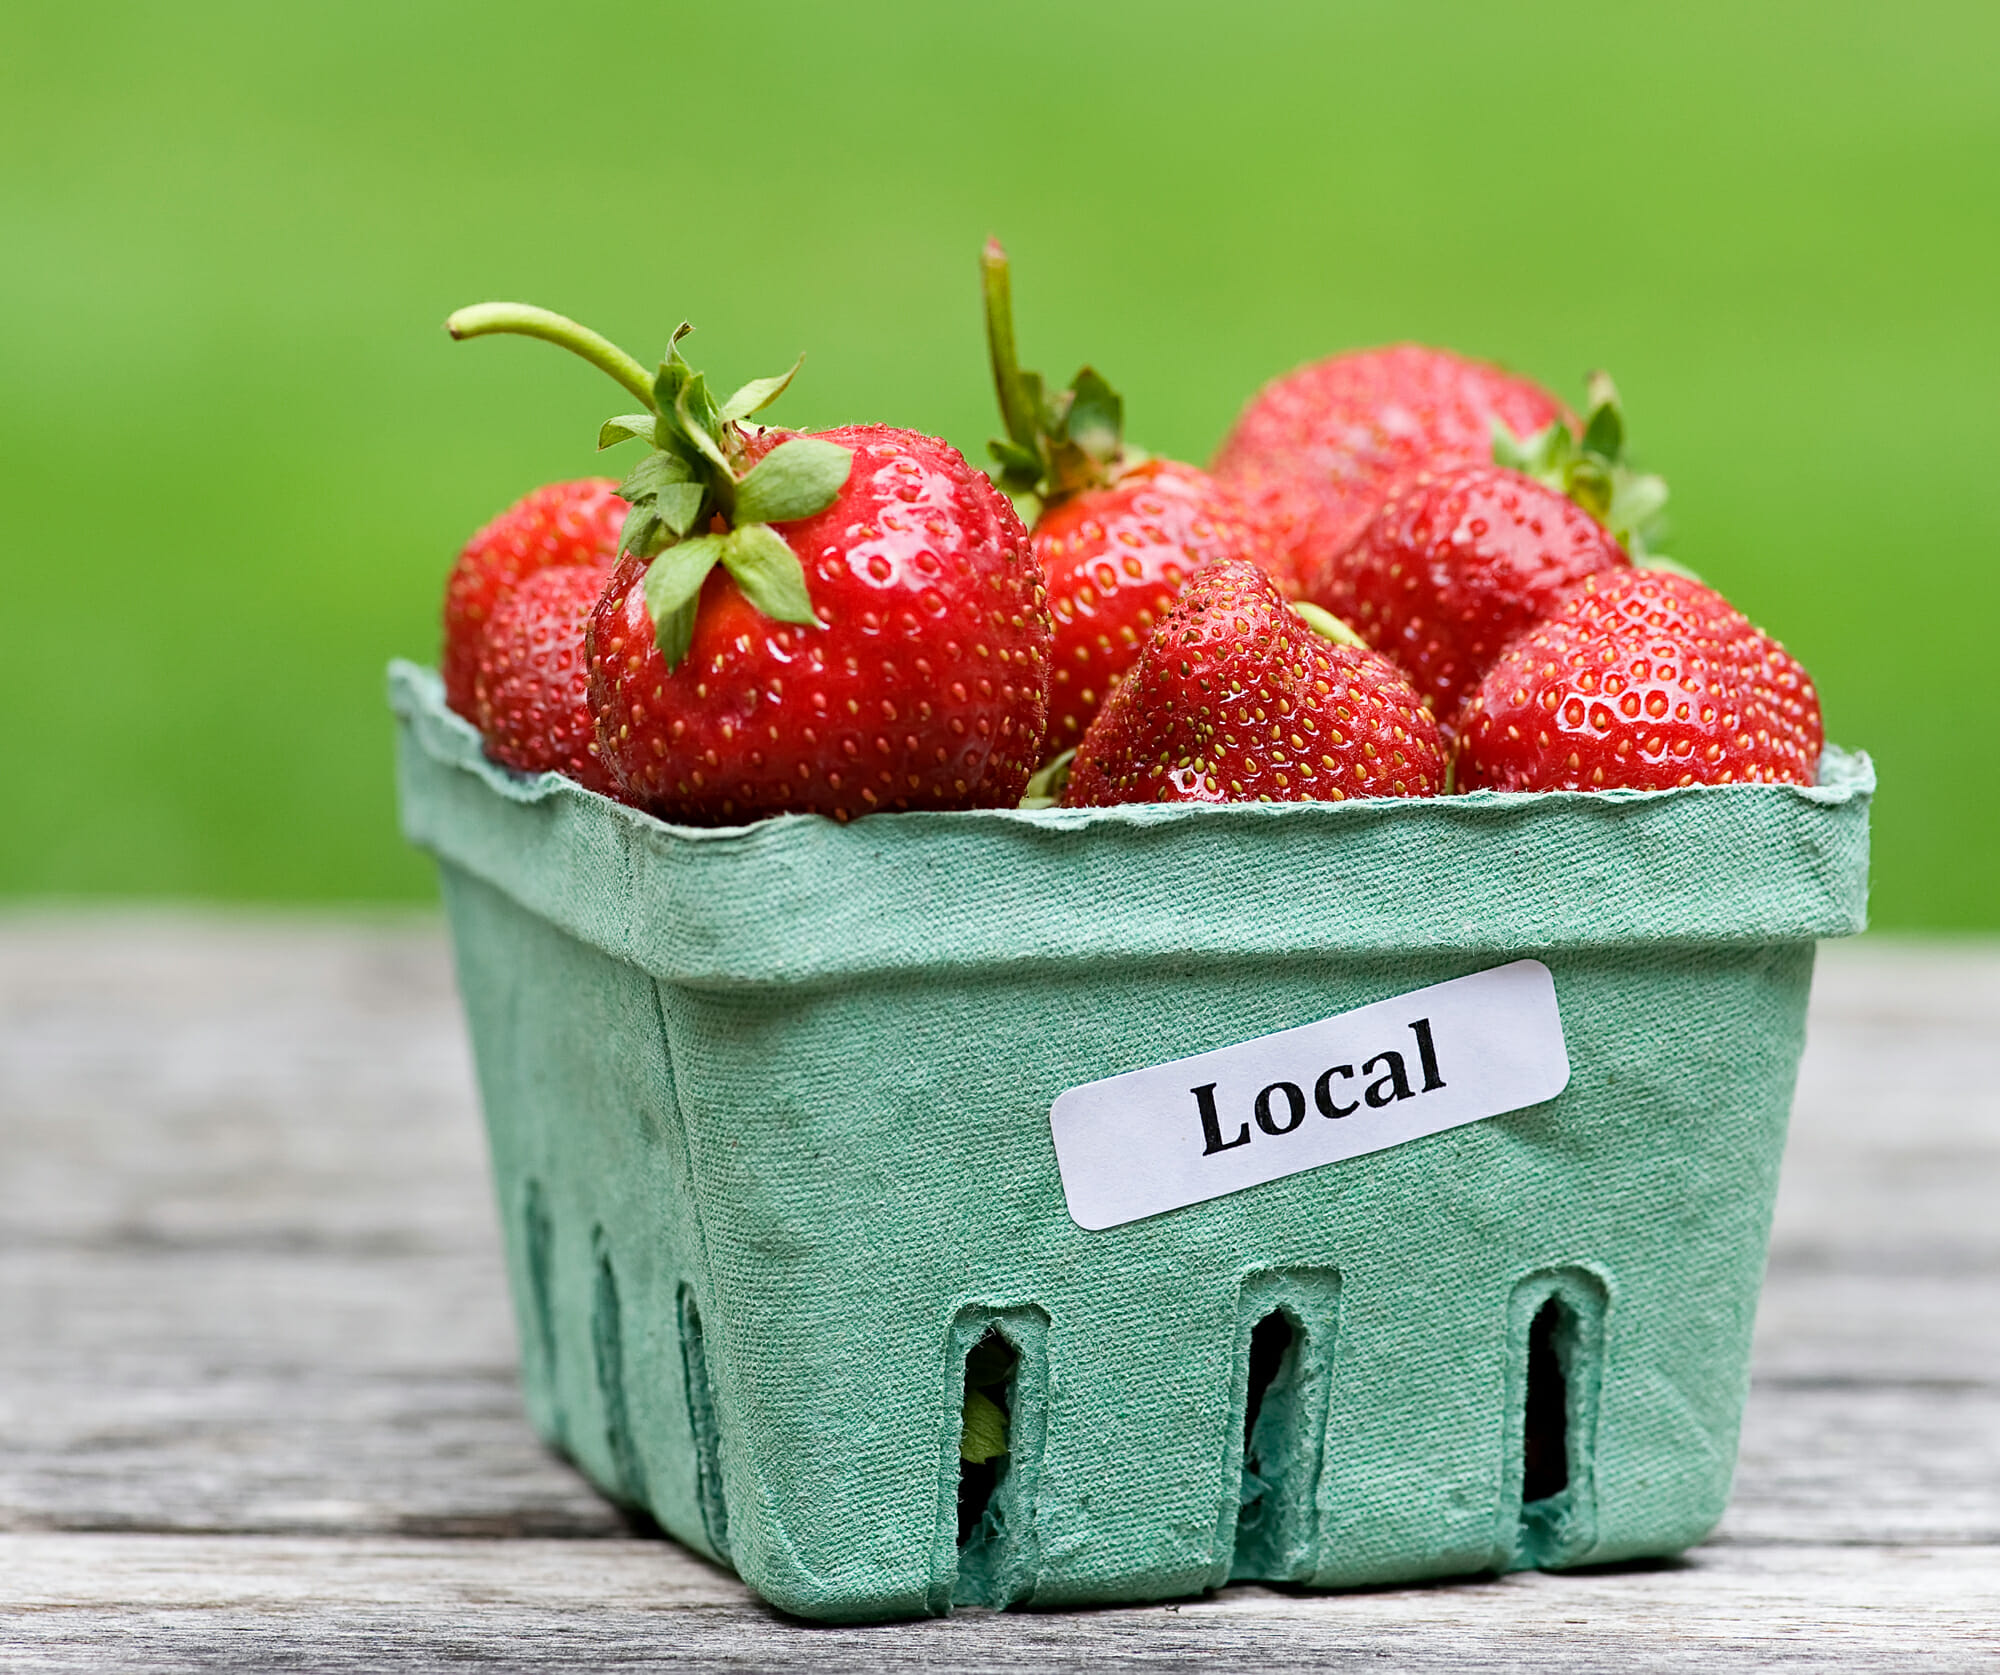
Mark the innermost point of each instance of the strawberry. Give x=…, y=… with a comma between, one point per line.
x=1116, y=530
x=1643, y=679
x=1238, y=697
x=1455, y=564
x=533, y=698
x=832, y=623
x=1315, y=450
x=559, y=524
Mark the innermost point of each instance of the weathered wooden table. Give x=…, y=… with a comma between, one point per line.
x=258, y=1406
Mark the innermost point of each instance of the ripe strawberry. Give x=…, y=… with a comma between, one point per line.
x=1116, y=530
x=533, y=698
x=1314, y=452
x=1238, y=697
x=1455, y=564
x=829, y=624
x=1644, y=679
x=559, y=524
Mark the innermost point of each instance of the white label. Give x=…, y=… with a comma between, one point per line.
x=1151, y=1140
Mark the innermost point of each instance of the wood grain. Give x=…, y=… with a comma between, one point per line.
x=258, y=1409
x=220, y=1603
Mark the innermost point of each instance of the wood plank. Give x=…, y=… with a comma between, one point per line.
x=275, y=1082
x=72, y=1602
x=1846, y=1460
x=1895, y=1146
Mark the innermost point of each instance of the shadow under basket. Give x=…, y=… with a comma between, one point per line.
x=769, y=1110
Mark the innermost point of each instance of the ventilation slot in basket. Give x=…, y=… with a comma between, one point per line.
x=982, y=1457
x=1558, y=1321
x=607, y=1339
x=999, y=1381
x=702, y=1425
x=1545, y=1413
x=1271, y=1448
x=538, y=1241
x=1286, y=1323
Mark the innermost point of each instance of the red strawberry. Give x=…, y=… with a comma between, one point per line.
x=1236, y=698
x=1117, y=531
x=559, y=524
x=534, y=706
x=1455, y=564
x=830, y=624
x=1314, y=452
x=1115, y=559
x=1644, y=679
x=925, y=687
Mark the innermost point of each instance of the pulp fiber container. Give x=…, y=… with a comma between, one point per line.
x=770, y=1120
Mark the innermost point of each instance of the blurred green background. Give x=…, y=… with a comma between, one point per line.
x=237, y=453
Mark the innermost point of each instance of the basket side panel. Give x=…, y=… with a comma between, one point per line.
x=580, y=1108
x=875, y=1159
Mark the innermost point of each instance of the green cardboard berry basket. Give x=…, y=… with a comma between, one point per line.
x=770, y=1121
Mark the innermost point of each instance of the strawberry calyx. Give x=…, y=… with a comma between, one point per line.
x=1058, y=443
x=697, y=497
x=1591, y=469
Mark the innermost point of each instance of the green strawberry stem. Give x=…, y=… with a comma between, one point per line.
x=525, y=320
x=695, y=495
x=1056, y=445
x=1017, y=404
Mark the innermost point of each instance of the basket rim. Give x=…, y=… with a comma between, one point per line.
x=720, y=906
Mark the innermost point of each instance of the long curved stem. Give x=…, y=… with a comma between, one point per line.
x=525, y=320
x=1016, y=410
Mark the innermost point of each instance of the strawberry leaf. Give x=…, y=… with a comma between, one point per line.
x=699, y=420
x=674, y=371
x=680, y=505
x=1637, y=502
x=672, y=588
x=1604, y=427
x=653, y=473
x=768, y=572
x=1540, y=455
x=1588, y=483
x=627, y=427
x=1015, y=458
x=666, y=499
x=1096, y=418
x=985, y=1434
x=642, y=530
x=794, y=480
x=758, y=394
